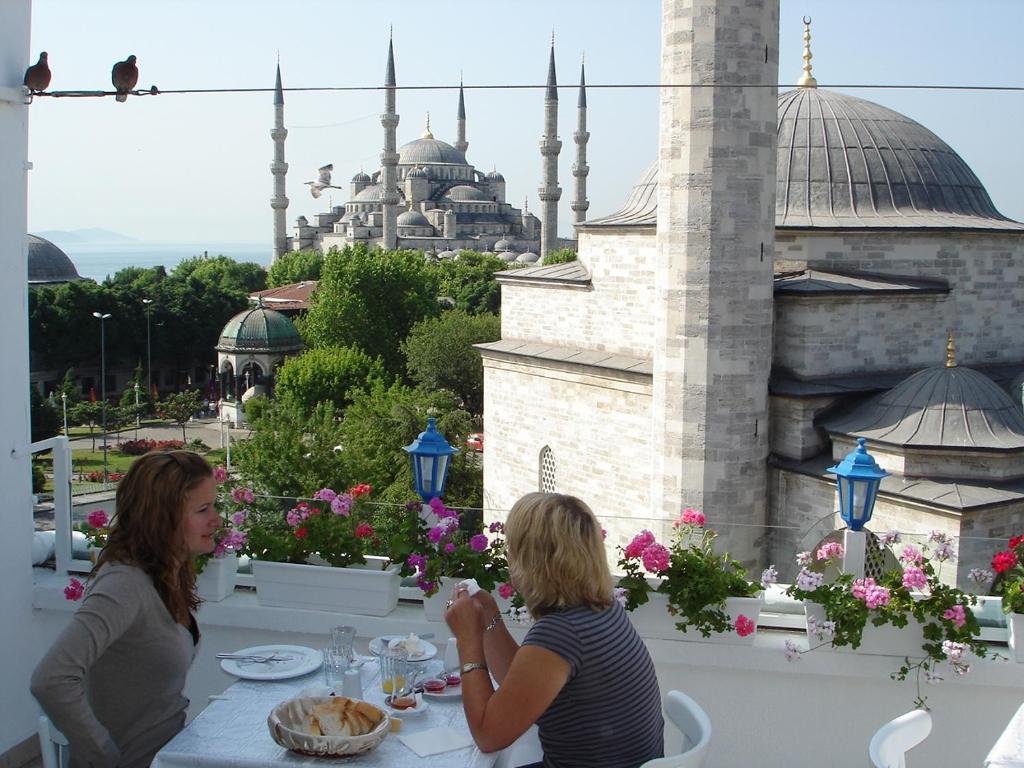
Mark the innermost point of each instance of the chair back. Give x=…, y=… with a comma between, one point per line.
x=690, y=718
x=53, y=745
x=891, y=742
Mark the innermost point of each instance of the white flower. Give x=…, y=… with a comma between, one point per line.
x=930, y=677
x=954, y=651
x=804, y=558
x=980, y=575
x=888, y=538
x=620, y=594
x=809, y=580
x=936, y=536
x=792, y=651
x=823, y=631
x=769, y=575
x=944, y=551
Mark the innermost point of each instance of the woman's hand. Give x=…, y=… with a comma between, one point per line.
x=465, y=616
x=487, y=603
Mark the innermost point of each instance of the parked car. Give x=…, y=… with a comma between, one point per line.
x=475, y=441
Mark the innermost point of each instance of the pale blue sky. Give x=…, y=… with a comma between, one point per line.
x=195, y=167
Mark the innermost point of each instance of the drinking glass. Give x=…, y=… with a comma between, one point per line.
x=343, y=641
x=451, y=656
x=394, y=670
x=335, y=664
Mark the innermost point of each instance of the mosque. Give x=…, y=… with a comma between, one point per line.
x=427, y=196
x=796, y=271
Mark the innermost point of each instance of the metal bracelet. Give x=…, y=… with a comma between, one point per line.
x=494, y=622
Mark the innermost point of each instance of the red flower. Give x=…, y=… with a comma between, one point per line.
x=301, y=533
x=74, y=590
x=744, y=626
x=1016, y=541
x=1003, y=561
x=363, y=489
x=364, y=531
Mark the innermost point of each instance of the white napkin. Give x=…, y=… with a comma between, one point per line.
x=471, y=586
x=433, y=741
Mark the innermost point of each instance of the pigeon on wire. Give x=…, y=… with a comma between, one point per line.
x=317, y=187
x=124, y=76
x=37, y=77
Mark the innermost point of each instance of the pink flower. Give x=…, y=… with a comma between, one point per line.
x=833, y=550
x=74, y=590
x=449, y=547
x=364, y=531
x=655, y=558
x=744, y=626
x=911, y=555
x=295, y=516
x=479, y=542
x=240, y=517
x=914, y=578
x=860, y=587
x=956, y=615
x=877, y=597
x=435, y=534
x=220, y=474
x=640, y=542
x=604, y=534
x=496, y=528
x=692, y=517
x=97, y=518
x=417, y=561
x=341, y=504
x=505, y=590
x=325, y=494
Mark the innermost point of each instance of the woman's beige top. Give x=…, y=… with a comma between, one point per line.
x=113, y=680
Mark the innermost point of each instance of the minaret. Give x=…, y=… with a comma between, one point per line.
x=389, y=158
x=279, y=203
x=550, y=146
x=580, y=169
x=460, y=124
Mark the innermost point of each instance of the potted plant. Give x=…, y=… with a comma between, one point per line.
x=216, y=573
x=447, y=553
x=906, y=612
x=1008, y=570
x=696, y=586
x=95, y=529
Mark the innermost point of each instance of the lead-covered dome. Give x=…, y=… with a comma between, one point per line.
x=48, y=264
x=464, y=192
x=412, y=219
x=429, y=150
x=259, y=330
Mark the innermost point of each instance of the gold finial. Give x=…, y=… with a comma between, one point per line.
x=426, y=133
x=950, y=350
x=807, y=81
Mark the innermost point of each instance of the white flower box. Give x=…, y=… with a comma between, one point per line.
x=217, y=580
x=370, y=589
x=653, y=620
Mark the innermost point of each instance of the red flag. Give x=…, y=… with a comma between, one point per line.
x=156, y=393
x=92, y=395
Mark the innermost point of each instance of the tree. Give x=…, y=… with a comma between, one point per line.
x=227, y=274
x=88, y=414
x=371, y=299
x=294, y=267
x=561, y=256
x=45, y=421
x=326, y=374
x=469, y=281
x=180, y=407
x=70, y=388
x=439, y=354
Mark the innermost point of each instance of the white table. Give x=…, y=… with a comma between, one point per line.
x=232, y=732
x=1008, y=751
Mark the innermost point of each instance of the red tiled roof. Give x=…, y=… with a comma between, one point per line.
x=286, y=297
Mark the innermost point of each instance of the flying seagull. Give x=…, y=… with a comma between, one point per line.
x=323, y=182
x=37, y=77
x=124, y=76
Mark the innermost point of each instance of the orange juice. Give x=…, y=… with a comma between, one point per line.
x=391, y=684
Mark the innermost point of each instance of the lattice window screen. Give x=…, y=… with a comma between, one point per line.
x=547, y=470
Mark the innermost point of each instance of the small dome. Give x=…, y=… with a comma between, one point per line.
x=447, y=255
x=527, y=258
x=495, y=176
x=361, y=178
x=508, y=256
x=463, y=192
x=302, y=221
x=417, y=173
x=412, y=219
x=370, y=194
x=259, y=330
x=48, y=264
x=503, y=245
x=940, y=407
x=430, y=150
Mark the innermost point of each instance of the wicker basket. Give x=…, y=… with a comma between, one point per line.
x=289, y=727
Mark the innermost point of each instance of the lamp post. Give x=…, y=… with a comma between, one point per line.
x=64, y=404
x=136, y=387
x=103, y=317
x=857, y=479
x=430, y=454
x=149, y=357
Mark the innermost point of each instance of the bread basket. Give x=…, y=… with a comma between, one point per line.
x=289, y=725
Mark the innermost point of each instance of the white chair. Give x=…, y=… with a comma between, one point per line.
x=695, y=725
x=52, y=745
x=891, y=742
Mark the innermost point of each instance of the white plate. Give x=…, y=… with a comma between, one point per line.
x=379, y=643
x=303, y=661
x=420, y=707
x=451, y=692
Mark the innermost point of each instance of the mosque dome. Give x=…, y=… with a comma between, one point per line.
x=361, y=178
x=412, y=219
x=527, y=258
x=508, y=256
x=464, y=192
x=495, y=176
x=502, y=245
x=844, y=162
x=417, y=173
x=938, y=408
x=259, y=330
x=371, y=194
x=48, y=264
x=447, y=255
x=429, y=150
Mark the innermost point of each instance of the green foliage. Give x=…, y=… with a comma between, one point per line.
x=295, y=267
x=38, y=478
x=291, y=452
x=440, y=355
x=326, y=374
x=561, y=256
x=86, y=414
x=225, y=273
x=45, y=419
x=180, y=407
x=255, y=408
x=371, y=299
x=70, y=388
x=469, y=281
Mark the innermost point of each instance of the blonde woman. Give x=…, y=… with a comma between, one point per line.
x=582, y=673
x=113, y=680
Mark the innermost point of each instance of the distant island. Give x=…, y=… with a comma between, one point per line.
x=93, y=235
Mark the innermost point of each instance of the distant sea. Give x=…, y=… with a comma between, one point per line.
x=98, y=260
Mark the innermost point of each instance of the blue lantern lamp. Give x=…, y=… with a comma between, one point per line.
x=857, y=478
x=430, y=454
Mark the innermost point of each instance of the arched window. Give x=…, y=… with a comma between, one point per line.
x=546, y=475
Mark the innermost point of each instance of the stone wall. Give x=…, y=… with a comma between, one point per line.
x=793, y=434
x=963, y=464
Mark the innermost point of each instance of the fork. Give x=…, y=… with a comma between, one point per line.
x=253, y=659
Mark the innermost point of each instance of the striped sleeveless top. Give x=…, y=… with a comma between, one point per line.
x=608, y=715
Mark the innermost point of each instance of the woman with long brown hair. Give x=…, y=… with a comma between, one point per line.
x=113, y=680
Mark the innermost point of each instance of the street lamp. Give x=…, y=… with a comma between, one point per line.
x=103, y=317
x=149, y=356
x=430, y=455
x=136, y=387
x=857, y=479
x=64, y=403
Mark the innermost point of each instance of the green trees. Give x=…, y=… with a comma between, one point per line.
x=561, y=256
x=180, y=407
x=371, y=299
x=439, y=354
x=469, y=282
x=45, y=420
x=325, y=375
x=88, y=414
x=294, y=267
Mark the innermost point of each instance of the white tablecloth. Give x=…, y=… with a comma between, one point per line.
x=232, y=731
x=1008, y=751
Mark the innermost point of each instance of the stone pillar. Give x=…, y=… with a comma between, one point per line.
x=713, y=279
x=279, y=168
x=580, y=169
x=550, y=146
x=449, y=224
x=389, y=159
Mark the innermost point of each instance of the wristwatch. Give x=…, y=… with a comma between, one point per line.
x=469, y=666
